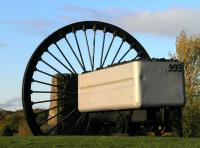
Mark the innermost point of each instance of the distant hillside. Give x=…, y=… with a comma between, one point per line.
x=15, y=122
x=2, y=109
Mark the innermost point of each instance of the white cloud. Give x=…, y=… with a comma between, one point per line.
x=78, y=13
x=12, y=104
x=166, y=23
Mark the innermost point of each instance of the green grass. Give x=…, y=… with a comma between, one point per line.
x=98, y=142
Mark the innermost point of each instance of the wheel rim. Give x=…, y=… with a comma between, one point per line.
x=73, y=49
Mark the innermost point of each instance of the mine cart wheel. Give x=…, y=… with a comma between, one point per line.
x=49, y=92
x=121, y=125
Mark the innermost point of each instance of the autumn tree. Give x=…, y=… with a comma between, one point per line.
x=5, y=130
x=188, y=51
x=24, y=129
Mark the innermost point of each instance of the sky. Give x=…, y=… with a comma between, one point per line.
x=24, y=24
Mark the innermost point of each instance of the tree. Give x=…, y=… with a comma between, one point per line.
x=188, y=51
x=5, y=131
x=24, y=129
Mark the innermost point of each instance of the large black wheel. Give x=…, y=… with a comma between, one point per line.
x=74, y=49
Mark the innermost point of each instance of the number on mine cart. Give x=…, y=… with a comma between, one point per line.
x=175, y=68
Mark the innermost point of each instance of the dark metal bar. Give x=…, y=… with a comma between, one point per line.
x=94, y=38
x=78, y=120
x=45, y=101
x=74, y=53
x=41, y=82
x=125, y=54
x=47, y=73
x=117, y=51
x=79, y=50
x=74, y=71
x=53, y=68
x=83, y=117
x=102, y=51
x=44, y=111
x=61, y=121
x=88, y=124
x=88, y=48
x=73, y=92
x=50, y=92
x=114, y=35
x=50, y=118
x=59, y=61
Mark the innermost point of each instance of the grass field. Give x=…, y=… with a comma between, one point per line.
x=99, y=142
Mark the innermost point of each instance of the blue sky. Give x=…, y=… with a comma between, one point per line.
x=24, y=24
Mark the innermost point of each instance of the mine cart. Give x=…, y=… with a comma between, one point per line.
x=93, y=78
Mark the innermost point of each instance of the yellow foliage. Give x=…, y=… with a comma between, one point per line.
x=24, y=129
x=188, y=51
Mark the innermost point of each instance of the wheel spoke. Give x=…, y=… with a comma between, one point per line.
x=118, y=50
x=83, y=118
x=53, y=92
x=61, y=121
x=74, y=53
x=65, y=59
x=48, y=92
x=79, y=50
x=46, y=73
x=59, y=61
x=102, y=51
x=41, y=82
x=88, y=124
x=78, y=120
x=53, y=68
x=125, y=54
x=88, y=48
x=114, y=35
x=94, y=38
x=45, y=121
x=44, y=111
x=45, y=101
